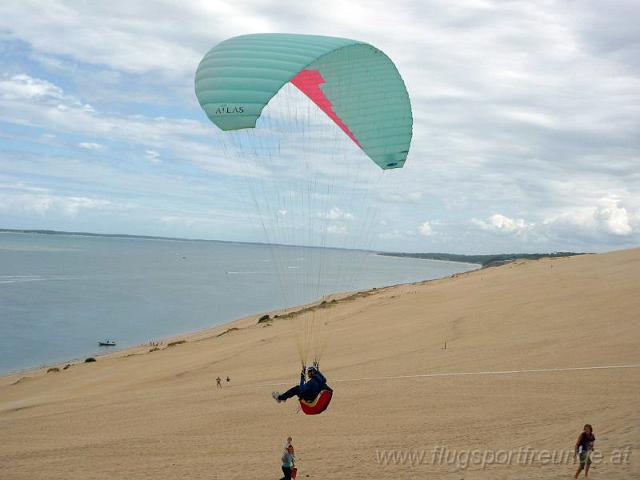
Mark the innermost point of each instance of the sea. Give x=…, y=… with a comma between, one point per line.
x=62, y=294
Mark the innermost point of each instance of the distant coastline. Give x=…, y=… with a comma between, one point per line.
x=138, y=237
x=108, y=235
x=484, y=260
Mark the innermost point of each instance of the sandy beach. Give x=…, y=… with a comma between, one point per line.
x=534, y=350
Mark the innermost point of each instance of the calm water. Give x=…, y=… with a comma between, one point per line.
x=59, y=294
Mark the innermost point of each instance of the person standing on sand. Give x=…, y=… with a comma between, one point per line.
x=288, y=462
x=228, y=379
x=584, y=448
x=219, y=382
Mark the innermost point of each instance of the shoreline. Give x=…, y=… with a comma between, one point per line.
x=210, y=331
x=205, y=333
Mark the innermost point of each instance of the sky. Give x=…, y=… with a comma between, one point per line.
x=526, y=134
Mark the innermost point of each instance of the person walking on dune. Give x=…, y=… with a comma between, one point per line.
x=288, y=463
x=584, y=448
x=219, y=382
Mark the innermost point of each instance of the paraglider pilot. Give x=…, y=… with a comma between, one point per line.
x=307, y=390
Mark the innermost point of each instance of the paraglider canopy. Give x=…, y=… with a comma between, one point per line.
x=300, y=119
x=353, y=83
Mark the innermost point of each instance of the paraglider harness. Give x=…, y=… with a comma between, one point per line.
x=320, y=403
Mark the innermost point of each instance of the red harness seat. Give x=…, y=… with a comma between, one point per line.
x=319, y=405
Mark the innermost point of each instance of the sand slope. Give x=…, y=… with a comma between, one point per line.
x=136, y=415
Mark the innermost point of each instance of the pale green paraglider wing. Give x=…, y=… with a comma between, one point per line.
x=354, y=83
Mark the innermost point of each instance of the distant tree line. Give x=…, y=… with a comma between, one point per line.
x=484, y=260
x=87, y=234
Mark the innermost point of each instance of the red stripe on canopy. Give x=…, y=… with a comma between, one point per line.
x=308, y=82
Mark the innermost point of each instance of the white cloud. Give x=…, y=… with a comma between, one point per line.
x=177, y=221
x=152, y=156
x=336, y=230
x=91, y=146
x=608, y=217
x=22, y=187
x=336, y=213
x=425, y=229
x=401, y=196
x=394, y=234
x=614, y=219
x=499, y=223
x=530, y=117
x=24, y=87
x=134, y=39
x=43, y=205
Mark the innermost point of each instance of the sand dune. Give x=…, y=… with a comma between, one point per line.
x=519, y=333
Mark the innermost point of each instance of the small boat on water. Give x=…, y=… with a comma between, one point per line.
x=107, y=343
